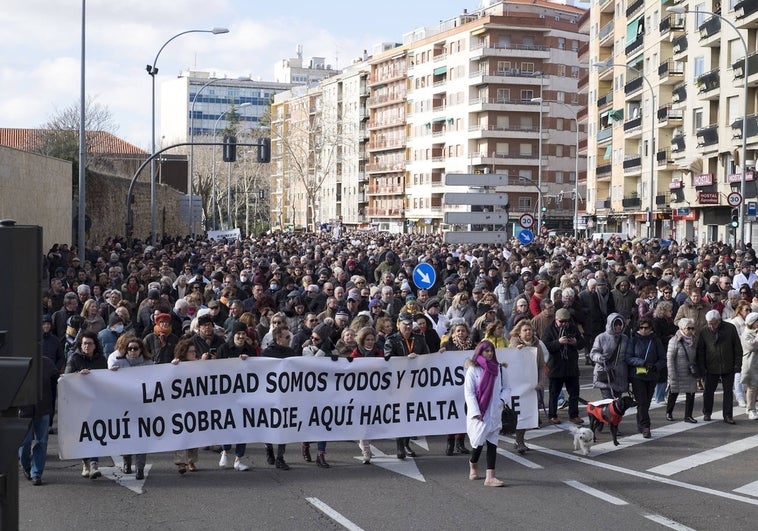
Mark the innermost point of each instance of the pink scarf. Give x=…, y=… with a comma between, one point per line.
x=487, y=383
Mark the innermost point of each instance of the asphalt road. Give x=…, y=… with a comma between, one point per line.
x=687, y=476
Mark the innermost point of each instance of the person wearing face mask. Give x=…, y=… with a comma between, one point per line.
x=110, y=335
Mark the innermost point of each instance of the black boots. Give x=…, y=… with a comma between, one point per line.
x=270, y=454
x=400, y=445
x=460, y=446
x=307, y=452
x=279, y=463
x=321, y=460
x=127, y=464
x=450, y=446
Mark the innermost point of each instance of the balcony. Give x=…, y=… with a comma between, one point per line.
x=633, y=165
x=605, y=35
x=631, y=202
x=584, y=49
x=679, y=93
x=679, y=44
x=671, y=72
x=746, y=14
x=632, y=124
x=528, y=51
x=634, y=46
x=604, y=100
x=634, y=7
x=514, y=76
x=708, y=85
x=604, y=170
x=738, y=67
x=633, y=86
x=494, y=131
x=667, y=116
x=752, y=127
x=710, y=32
x=664, y=159
x=707, y=136
x=604, y=134
x=603, y=204
x=673, y=22
x=678, y=144
x=583, y=82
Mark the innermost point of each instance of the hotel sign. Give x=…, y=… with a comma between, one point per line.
x=708, y=198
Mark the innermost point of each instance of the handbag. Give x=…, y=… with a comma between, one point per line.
x=692, y=367
x=509, y=420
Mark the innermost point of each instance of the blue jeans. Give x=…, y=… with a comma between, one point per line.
x=33, y=458
x=239, y=449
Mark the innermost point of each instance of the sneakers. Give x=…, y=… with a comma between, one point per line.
x=85, y=470
x=742, y=403
x=94, y=471
x=752, y=415
x=669, y=417
x=239, y=465
x=577, y=420
x=520, y=447
x=223, y=462
x=367, y=458
x=192, y=467
x=562, y=404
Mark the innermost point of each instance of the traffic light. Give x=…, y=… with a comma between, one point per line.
x=735, y=218
x=264, y=150
x=230, y=148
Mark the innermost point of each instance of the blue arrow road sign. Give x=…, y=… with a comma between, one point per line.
x=424, y=276
x=526, y=237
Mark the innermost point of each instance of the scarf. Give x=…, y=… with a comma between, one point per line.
x=462, y=345
x=487, y=383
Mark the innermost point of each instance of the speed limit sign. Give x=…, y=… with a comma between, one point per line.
x=526, y=221
x=734, y=199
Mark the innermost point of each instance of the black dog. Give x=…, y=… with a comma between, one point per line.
x=609, y=412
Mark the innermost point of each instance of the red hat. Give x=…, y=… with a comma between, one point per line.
x=162, y=317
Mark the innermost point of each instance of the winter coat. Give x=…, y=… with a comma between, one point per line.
x=678, y=359
x=693, y=311
x=49, y=378
x=563, y=361
x=397, y=346
x=719, y=352
x=491, y=417
x=78, y=361
x=116, y=360
x=608, y=353
x=645, y=356
x=750, y=357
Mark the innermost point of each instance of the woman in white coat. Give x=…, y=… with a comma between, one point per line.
x=484, y=392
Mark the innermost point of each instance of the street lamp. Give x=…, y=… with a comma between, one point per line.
x=576, y=169
x=743, y=151
x=539, y=168
x=152, y=71
x=651, y=222
x=213, y=171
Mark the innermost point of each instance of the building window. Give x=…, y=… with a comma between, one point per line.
x=527, y=68
x=503, y=95
x=561, y=43
x=559, y=151
x=524, y=203
x=503, y=66
x=525, y=150
x=527, y=95
x=559, y=177
x=697, y=120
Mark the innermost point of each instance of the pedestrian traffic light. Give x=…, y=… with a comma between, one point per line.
x=735, y=218
x=264, y=150
x=230, y=148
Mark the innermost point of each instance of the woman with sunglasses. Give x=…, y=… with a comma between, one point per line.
x=646, y=359
x=680, y=355
x=134, y=355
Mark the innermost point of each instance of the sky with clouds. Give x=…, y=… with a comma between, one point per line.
x=40, y=63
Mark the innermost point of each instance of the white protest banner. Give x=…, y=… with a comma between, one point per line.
x=194, y=404
x=231, y=234
x=521, y=377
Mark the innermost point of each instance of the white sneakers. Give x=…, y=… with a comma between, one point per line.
x=752, y=415
x=85, y=470
x=223, y=462
x=239, y=465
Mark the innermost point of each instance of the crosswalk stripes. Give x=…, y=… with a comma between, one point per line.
x=705, y=457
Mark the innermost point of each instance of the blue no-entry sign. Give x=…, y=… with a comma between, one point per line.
x=424, y=276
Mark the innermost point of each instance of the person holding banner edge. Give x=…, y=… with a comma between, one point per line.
x=485, y=395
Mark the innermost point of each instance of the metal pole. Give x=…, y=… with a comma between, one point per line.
x=81, y=237
x=576, y=177
x=539, y=168
x=229, y=196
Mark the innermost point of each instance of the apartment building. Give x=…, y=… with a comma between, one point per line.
x=484, y=92
x=666, y=107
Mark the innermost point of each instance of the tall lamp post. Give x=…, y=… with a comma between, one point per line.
x=539, y=167
x=576, y=169
x=152, y=71
x=743, y=150
x=213, y=171
x=651, y=222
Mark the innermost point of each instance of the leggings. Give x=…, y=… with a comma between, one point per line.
x=491, y=455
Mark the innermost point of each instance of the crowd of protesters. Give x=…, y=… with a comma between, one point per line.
x=679, y=317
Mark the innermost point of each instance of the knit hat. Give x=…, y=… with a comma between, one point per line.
x=238, y=326
x=161, y=317
x=114, y=319
x=751, y=318
x=47, y=318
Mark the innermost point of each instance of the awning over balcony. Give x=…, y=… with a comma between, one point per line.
x=608, y=152
x=616, y=115
x=440, y=70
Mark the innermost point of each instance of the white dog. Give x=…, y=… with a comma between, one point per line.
x=583, y=440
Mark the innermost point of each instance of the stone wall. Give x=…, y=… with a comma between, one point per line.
x=36, y=190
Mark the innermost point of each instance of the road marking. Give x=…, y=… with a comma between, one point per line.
x=116, y=473
x=665, y=430
x=644, y=475
x=751, y=489
x=334, y=515
x=707, y=456
x=422, y=442
x=516, y=458
x=667, y=522
x=595, y=492
x=405, y=467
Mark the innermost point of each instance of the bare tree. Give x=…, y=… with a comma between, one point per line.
x=309, y=149
x=60, y=135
